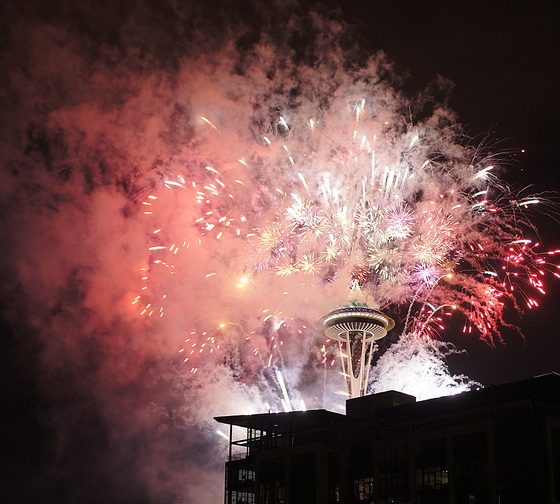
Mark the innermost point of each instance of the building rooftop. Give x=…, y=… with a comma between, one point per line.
x=293, y=419
x=396, y=406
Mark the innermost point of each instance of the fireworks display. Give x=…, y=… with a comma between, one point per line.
x=182, y=208
x=320, y=177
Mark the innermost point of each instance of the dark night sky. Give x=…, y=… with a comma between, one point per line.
x=503, y=60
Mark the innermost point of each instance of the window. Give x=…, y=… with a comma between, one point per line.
x=470, y=464
x=246, y=475
x=271, y=493
x=271, y=476
x=432, y=475
x=363, y=489
x=242, y=498
x=334, y=479
x=393, y=475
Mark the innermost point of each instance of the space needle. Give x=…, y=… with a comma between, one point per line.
x=356, y=327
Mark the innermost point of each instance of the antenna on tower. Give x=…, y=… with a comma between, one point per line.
x=356, y=327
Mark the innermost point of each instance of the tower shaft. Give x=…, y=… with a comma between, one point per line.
x=356, y=328
x=356, y=351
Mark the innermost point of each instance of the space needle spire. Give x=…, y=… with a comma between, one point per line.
x=356, y=327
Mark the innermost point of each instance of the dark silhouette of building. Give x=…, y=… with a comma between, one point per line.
x=497, y=445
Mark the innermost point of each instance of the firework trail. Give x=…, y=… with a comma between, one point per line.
x=322, y=175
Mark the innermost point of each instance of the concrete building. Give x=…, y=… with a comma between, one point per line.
x=498, y=445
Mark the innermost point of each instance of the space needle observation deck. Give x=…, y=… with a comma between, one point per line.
x=356, y=328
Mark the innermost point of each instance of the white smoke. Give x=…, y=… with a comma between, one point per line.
x=418, y=368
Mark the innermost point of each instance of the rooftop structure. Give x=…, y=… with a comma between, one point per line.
x=495, y=445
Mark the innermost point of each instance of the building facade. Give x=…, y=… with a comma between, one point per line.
x=496, y=445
